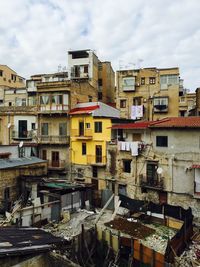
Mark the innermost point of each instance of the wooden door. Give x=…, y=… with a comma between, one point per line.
x=55, y=158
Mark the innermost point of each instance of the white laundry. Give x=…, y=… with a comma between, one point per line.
x=127, y=146
x=134, y=148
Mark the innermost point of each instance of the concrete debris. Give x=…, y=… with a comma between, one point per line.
x=159, y=240
x=190, y=257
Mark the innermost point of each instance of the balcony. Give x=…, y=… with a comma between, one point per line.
x=83, y=135
x=54, y=139
x=25, y=135
x=53, y=108
x=56, y=165
x=97, y=160
x=154, y=183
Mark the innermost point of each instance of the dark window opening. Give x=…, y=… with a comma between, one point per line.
x=127, y=166
x=95, y=172
x=152, y=175
x=98, y=126
x=162, y=141
x=122, y=103
x=84, y=149
x=143, y=81
x=100, y=83
x=100, y=95
x=152, y=80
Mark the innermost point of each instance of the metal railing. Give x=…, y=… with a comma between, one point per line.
x=53, y=108
x=86, y=133
x=56, y=164
x=23, y=134
x=154, y=182
x=96, y=159
x=56, y=139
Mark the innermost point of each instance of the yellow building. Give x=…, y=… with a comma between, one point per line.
x=90, y=131
x=9, y=78
x=148, y=94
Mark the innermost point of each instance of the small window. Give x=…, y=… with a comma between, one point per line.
x=10, y=104
x=94, y=171
x=90, y=98
x=44, y=154
x=100, y=95
x=152, y=80
x=127, y=166
x=122, y=103
x=100, y=82
x=33, y=126
x=63, y=129
x=98, y=126
x=162, y=141
x=1, y=73
x=86, y=69
x=7, y=193
x=137, y=101
x=87, y=125
x=84, y=149
x=44, y=129
x=143, y=81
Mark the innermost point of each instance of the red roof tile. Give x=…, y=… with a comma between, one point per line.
x=135, y=125
x=177, y=122
x=83, y=110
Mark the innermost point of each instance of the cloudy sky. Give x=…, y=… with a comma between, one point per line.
x=35, y=35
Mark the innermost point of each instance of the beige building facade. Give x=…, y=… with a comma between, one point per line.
x=148, y=94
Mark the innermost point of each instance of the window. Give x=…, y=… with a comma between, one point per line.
x=128, y=84
x=152, y=80
x=167, y=80
x=1, y=73
x=87, y=125
x=85, y=69
x=100, y=82
x=90, y=98
x=44, y=99
x=122, y=103
x=62, y=128
x=7, y=193
x=142, y=80
x=122, y=189
x=94, y=171
x=79, y=173
x=98, y=154
x=151, y=172
x=33, y=126
x=137, y=101
x=84, y=149
x=160, y=104
x=57, y=99
x=137, y=137
x=100, y=95
x=44, y=129
x=162, y=141
x=98, y=126
x=127, y=166
x=13, y=77
x=44, y=154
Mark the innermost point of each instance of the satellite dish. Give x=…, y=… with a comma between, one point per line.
x=21, y=144
x=159, y=170
x=9, y=125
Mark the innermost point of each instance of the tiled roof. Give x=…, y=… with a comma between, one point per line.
x=83, y=110
x=136, y=125
x=177, y=122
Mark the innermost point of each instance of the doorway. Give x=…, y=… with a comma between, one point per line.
x=55, y=159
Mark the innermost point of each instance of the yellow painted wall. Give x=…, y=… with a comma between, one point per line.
x=96, y=139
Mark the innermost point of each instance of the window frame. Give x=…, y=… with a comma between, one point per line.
x=152, y=80
x=122, y=103
x=98, y=125
x=162, y=141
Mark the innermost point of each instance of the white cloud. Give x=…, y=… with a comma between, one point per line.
x=35, y=35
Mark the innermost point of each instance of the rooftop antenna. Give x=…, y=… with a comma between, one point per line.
x=59, y=68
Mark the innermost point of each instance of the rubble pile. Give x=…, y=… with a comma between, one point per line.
x=191, y=256
x=159, y=240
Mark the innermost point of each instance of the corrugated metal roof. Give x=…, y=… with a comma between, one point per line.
x=12, y=163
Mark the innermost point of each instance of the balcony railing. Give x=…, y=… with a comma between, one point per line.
x=53, y=108
x=59, y=164
x=154, y=183
x=86, y=134
x=96, y=160
x=24, y=135
x=53, y=139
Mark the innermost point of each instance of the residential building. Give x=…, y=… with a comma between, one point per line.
x=56, y=94
x=85, y=65
x=148, y=93
x=90, y=132
x=158, y=161
x=9, y=78
x=187, y=104
x=10, y=172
